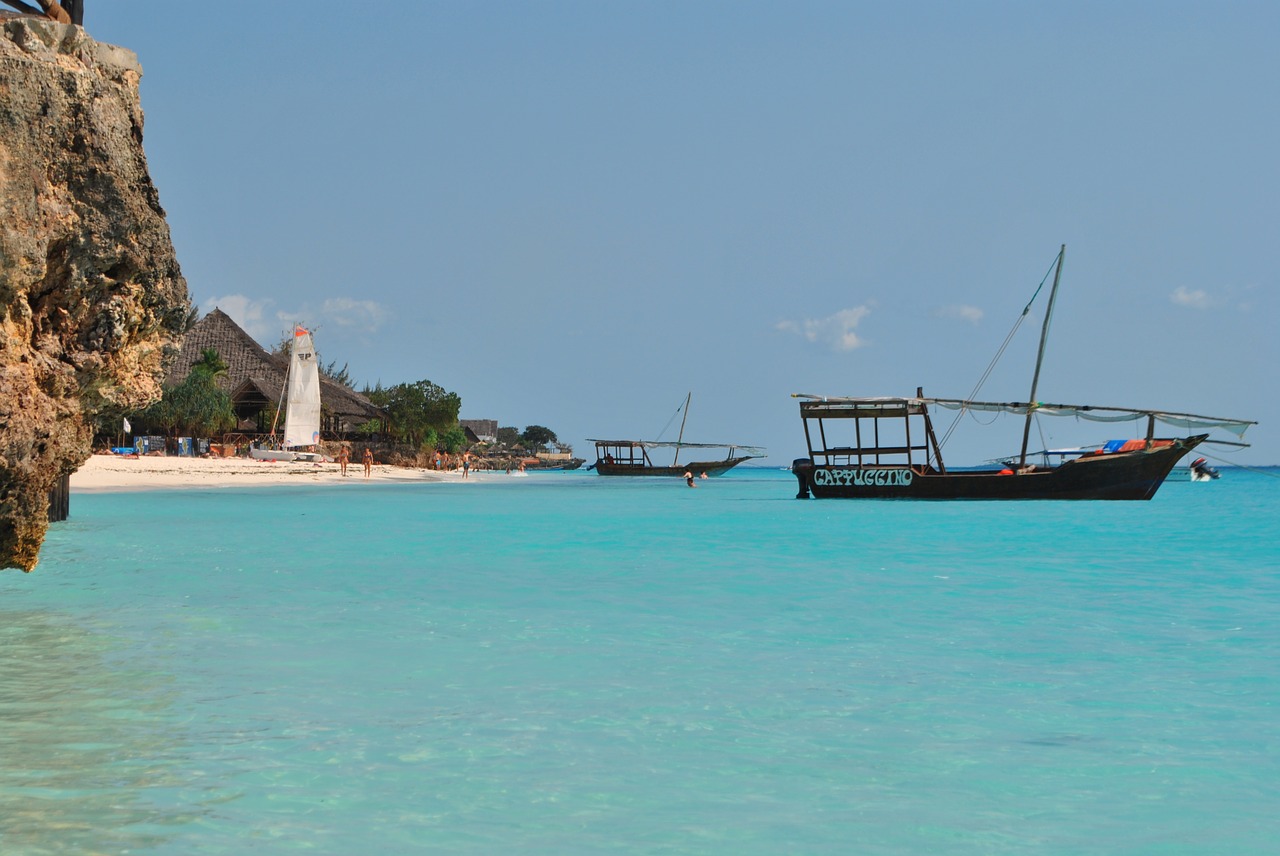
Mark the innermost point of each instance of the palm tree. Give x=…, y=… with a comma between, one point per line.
x=210, y=363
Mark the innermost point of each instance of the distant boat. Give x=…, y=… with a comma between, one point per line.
x=631, y=457
x=1202, y=472
x=301, y=400
x=1198, y=471
x=541, y=466
x=545, y=462
x=885, y=448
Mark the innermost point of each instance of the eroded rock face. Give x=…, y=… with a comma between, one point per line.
x=91, y=296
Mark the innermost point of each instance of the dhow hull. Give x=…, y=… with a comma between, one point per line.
x=1123, y=476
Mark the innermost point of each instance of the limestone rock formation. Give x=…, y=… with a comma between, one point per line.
x=92, y=300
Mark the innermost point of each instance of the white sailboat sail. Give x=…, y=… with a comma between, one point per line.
x=302, y=402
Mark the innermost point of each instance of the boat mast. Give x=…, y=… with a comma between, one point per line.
x=1044, y=337
x=283, y=387
x=684, y=419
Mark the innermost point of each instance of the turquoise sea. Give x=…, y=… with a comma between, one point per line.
x=568, y=664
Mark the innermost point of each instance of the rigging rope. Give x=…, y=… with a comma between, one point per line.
x=999, y=353
x=669, y=421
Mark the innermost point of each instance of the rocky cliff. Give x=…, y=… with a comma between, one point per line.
x=91, y=296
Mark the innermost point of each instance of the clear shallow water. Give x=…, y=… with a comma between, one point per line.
x=569, y=664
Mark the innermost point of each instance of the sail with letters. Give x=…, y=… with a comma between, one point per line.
x=302, y=402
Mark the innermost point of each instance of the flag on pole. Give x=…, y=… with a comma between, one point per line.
x=128, y=429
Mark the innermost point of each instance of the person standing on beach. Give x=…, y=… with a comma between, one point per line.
x=343, y=458
x=368, y=462
x=466, y=464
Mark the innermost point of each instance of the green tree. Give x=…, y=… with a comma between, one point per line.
x=453, y=440
x=211, y=363
x=377, y=395
x=195, y=408
x=537, y=437
x=413, y=409
x=339, y=375
x=508, y=436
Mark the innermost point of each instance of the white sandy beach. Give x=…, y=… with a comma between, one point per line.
x=115, y=472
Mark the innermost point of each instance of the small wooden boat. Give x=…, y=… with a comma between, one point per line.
x=631, y=457
x=883, y=448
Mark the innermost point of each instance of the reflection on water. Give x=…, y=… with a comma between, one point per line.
x=87, y=742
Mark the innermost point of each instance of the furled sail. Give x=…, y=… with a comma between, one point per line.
x=848, y=406
x=1097, y=414
x=302, y=402
x=753, y=451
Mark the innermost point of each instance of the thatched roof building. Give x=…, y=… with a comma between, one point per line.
x=255, y=378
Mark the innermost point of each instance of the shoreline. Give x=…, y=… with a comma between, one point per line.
x=112, y=473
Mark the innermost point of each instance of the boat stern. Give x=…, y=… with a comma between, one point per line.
x=802, y=469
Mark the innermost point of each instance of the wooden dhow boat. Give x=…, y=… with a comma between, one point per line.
x=869, y=466
x=631, y=457
x=886, y=448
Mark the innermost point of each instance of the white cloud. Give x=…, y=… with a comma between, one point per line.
x=835, y=330
x=250, y=314
x=336, y=314
x=1197, y=299
x=972, y=314
x=364, y=316
x=268, y=325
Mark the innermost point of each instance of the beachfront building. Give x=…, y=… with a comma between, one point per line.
x=480, y=430
x=255, y=379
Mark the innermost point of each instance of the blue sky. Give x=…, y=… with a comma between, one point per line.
x=572, y=214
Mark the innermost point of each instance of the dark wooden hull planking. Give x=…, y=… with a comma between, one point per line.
x=711, y=468
x=1118, y=476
